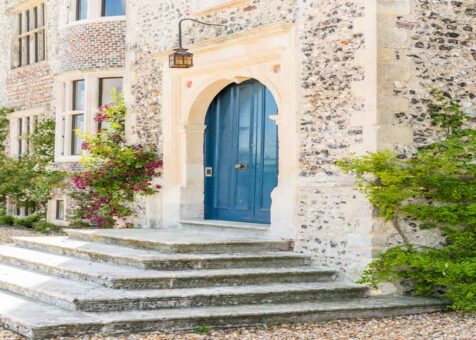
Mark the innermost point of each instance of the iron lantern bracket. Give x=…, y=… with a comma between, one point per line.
x=193, y=20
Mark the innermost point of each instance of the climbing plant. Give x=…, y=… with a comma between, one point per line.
x=114, y=172
x=436, y=187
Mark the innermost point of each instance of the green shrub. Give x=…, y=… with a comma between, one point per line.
x=202, y=329
x=114, y=172
x=436, y=187
x=26, y=222
x=6, y=220
x=45, y=227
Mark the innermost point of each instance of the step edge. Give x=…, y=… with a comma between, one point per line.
x=195, y=273
x=96, y=237
x=278, y=255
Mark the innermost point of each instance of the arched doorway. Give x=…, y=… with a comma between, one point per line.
x=241, y=153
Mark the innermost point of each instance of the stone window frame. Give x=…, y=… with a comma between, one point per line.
x=65, y=112
x=28, y=35
x=19, y=143
x=19, y=212
x=94, y=13
x=51, y=209
x=200, y=7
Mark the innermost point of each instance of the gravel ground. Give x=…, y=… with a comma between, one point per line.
x=426, y=326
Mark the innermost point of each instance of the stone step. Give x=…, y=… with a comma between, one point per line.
x=114, y=276
x=88, y=297
x=149, y=259
x=41, y=321
x=36, y=320
x=230, y=227
x=175, y=241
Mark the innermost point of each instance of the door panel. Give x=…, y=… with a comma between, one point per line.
x=267, y=161
x=241, y=147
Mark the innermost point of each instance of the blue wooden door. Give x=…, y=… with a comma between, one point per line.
x=241, y=154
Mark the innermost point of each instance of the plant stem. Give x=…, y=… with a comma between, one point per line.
x=396, y=225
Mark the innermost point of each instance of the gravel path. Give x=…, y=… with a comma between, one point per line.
x=427, y=326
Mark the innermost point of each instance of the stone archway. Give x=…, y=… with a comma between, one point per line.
x=187, y=98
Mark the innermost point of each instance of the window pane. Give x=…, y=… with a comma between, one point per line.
x=20, y=47
x=107, y=85
x=20, y=127
x=78, y=95
x=37, y=55
x=35, y=17
x=27, y=42
x=60, y=210
x=77, y=123
x=113, y=8
x=81, y=9
x=29, y=22
x=20, y=134
x=28, y=132
x=41, y=18
x=20, y=23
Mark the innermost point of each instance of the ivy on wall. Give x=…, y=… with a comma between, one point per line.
x=437, y=187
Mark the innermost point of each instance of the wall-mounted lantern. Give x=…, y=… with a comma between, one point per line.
x=181, y=58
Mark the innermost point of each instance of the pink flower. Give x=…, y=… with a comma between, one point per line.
x=79, y=182
x=158, y=186
x=104, y=107
x=153, y=164
x=85, y=146
x=100, y=117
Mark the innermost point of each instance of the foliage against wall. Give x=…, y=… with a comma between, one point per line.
x=114, y=172
x=29, y=179
x=437, y=187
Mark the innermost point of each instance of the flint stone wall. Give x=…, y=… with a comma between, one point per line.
x=348, y=101
x=335, y=223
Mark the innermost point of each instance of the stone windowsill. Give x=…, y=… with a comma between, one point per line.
x=42, y=63
x=94, y=21
x=67, y=159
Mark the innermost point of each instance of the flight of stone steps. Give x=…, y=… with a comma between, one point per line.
x=117, y=281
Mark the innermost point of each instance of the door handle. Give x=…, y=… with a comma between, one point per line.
x=241, y=166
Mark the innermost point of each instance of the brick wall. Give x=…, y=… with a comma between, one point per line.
x=91, y=45
x=30, y=86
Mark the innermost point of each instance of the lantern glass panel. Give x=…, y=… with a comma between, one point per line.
x=181, y=59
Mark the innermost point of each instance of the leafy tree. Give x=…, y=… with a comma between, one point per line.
x=30, y=179
x=437, y=187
